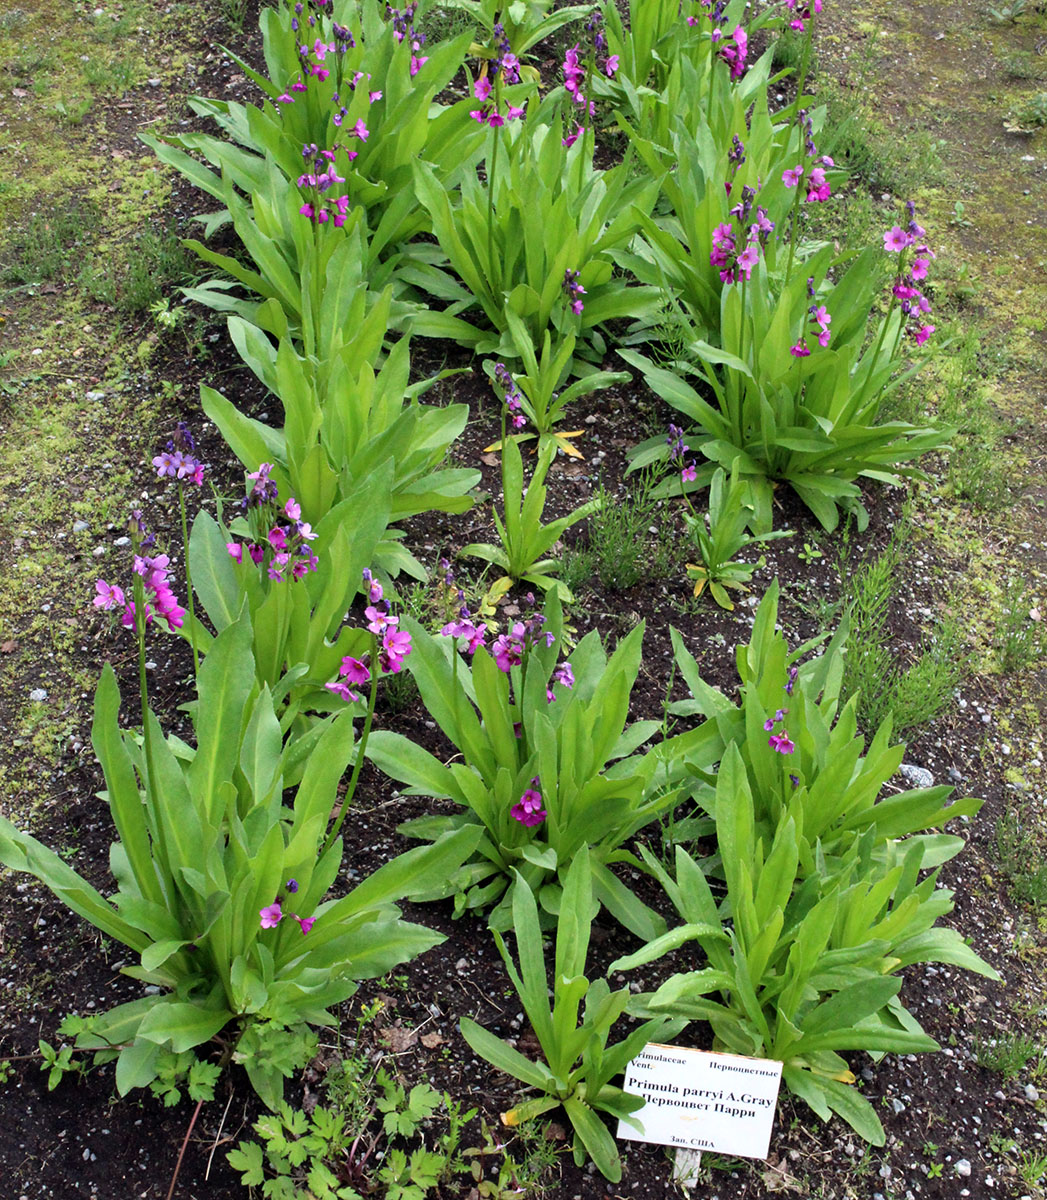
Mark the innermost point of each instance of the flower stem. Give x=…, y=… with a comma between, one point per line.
x=491, y=176
x=188, y=579
x=350, y=791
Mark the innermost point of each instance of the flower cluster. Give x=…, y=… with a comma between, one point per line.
x=819, y=317
x=528, y=809
x=393, y=644
x=463, y=626
x=512, y=395
x=273, y=914
x=323, y=176
x=404, y=31
x=280, y=538
x=574, y=291
x=677, y=454
x=510, y=649
x=178, y=461
x=813, y=178
x=736, y=261
x=160, y=600
x=733, y=49
x=802, y=11
x=779, y=742
x=914, y=303
x=503, y=66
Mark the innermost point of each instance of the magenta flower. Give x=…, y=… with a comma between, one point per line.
x=780, y=743
x=354, y=670
x=508, y=648
x=923, y=333
x=689, y=473
x=379, y=619
x=482, y=88
x=396, y=645
x=306, y=922
x=528, y=810
x=342, y=690
x=109, y=595
x=896, y=239
x=271, y=915
x=791, y=178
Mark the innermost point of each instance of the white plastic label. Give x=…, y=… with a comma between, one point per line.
x=719, y=1102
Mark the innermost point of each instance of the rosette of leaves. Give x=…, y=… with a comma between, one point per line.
x=831, y=782
x=598, y=786
x=801, y=962
x=206, y=841
x=578, y=1063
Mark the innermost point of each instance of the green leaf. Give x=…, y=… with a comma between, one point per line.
x=180, y=1025
x=505, y=1058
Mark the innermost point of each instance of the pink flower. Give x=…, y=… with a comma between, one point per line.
x=359, y=130
x=482, y=88
x=800, y=350
x=271, y=915
x=109, y=595
x=343, y=690
x=236, y=551
x=285, y=99
x=748, y=259
x=354, y=670
x=528, y=810
x=689, y=474
x=377, y=620
x=922, y=334
x=306, y=922
x=896, y=239
x=396, y=645
x=780, y=743
x=417, y=63
x=792, y=177
x=611, y=65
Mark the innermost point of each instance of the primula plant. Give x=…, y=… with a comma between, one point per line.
x=524, y=539
x=496, y=239
x=549, y=763
x=722, y=532
x=798, y=387
x=824, y=900
x=222, y=880
x=578, y=1063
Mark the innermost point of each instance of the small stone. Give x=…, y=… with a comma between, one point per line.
x=897, y=1105
x=79, y=526
x=916, y=777
x=963, y=1168
x=1031, y=1093
x=122, y=541
x=154, y=83
x=96, y=395
x=38, y=694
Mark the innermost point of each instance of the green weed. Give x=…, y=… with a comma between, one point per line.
x=629, y=541
x=1006, y=1054
x=914, y=693
x=1018, y=641
x=1021, y=861
x=46, y=243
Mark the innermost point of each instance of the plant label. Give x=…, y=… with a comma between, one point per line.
x=704, y=1101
